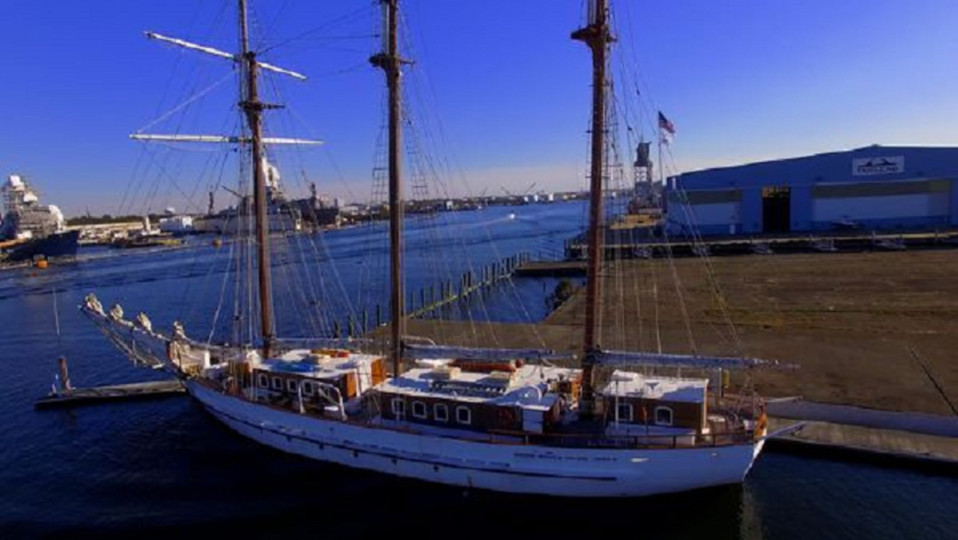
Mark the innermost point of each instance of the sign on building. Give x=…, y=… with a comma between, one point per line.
x=878, y=165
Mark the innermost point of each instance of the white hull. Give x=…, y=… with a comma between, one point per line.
x=514, y=468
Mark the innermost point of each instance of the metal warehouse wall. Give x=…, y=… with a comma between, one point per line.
x=876, y=187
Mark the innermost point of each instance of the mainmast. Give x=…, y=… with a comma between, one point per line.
x=253, y=109
x=597, y=36
x=389, y=61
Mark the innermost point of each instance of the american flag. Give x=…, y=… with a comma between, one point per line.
x=666, y=124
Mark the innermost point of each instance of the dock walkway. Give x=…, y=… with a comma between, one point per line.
x=873, y=444
x=928, y=440
x=116, y=392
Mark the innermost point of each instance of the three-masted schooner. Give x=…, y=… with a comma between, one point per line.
x=493, y=419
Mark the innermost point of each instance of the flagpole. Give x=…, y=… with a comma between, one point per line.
x=661, y=166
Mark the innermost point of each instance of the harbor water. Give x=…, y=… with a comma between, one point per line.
x=164, y=467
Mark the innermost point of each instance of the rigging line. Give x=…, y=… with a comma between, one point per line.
x=337, y=278
x=428, y=133
x=186, y=103
x=56, y=320
x=151, y=191
x=638, y=78
x=711, y=280
x=655, y=303
x=197, y=258
x=272, y=22
x=346, y=37
x=634, y=267
x=677, y=282
x=616, y=176
x=222, y=297
x=165, y=173
x=340, y=19
x=414, y=147
x=710, y=272
x=312, y=134
x=322, y=47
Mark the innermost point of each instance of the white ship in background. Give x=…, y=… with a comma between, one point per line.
x=31, y=229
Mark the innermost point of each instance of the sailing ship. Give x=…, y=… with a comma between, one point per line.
x=31, y=229
x=504, y=420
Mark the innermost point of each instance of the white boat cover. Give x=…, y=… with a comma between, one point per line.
x=425, y=352
x=653, y=359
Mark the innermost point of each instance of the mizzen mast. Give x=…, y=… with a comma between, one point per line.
x=597, y=36
x=389, y=61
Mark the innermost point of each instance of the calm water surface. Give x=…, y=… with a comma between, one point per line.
x=152, y=469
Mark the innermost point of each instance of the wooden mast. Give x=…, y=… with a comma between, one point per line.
x=389, y=61
x=254, y=109
x=597, y=36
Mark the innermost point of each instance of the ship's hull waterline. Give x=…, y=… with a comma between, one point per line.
x=512, y=468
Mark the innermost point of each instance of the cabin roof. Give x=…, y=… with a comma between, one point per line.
x=629, y=384
x=304, y=362
x=526, y=388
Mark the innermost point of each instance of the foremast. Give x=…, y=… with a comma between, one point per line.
x=598, y=37
x=253, y=108
x=389, y=61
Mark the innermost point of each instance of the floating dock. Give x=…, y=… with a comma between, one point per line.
x=116, y=392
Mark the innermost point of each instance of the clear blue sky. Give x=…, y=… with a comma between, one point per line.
x=742, y=80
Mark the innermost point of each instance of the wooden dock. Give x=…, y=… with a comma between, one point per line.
x=116, y=392
x=550, y=269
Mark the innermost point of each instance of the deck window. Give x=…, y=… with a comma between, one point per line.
x=624, y=412
x=263, y=380
x=463, y=415
x=291, y=385
x=419, y=410
x=277, y=383
x=307, y=388
x=663, y=416
x=398, y=407
x=440, y=412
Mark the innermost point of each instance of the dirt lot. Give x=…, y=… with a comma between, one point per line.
x=847, y=319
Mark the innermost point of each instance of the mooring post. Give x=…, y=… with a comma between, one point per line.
x=64, y=374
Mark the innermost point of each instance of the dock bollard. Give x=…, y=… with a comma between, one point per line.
x=64, y=374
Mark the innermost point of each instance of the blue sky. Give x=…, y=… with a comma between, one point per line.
x=499, y=92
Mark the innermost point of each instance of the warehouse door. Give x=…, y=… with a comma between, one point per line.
x=776, y=209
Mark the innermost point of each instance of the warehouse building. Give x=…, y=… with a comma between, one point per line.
x=881, y=188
